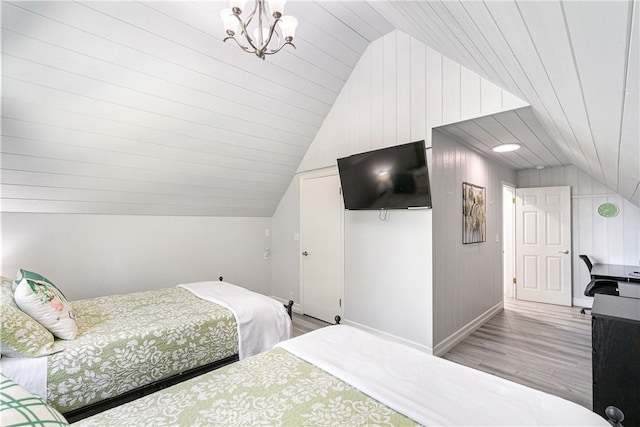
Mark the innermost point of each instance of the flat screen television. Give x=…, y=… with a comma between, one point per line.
x=389, y=178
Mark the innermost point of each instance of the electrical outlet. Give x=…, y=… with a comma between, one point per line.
x=267, y=253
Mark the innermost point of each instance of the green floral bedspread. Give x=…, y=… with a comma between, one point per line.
x=273, y=388
x=127, y=341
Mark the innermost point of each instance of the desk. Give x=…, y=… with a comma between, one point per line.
x=615, y=334
x=621, y=273
x=627, y=277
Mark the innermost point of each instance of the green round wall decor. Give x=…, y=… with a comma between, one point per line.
x=608, y=210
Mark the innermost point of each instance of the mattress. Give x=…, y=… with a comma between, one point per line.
x=131, y=340
x=343, y=376
x=272, y=388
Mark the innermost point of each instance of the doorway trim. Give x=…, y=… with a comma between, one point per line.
x=508, y=239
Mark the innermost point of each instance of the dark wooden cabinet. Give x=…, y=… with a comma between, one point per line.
x=615, y=341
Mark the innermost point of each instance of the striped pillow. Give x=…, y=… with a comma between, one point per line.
x=18, y=407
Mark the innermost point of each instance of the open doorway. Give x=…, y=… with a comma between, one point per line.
x=509, y=240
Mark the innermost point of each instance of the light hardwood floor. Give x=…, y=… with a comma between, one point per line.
x=542, y=346
x=303, y=324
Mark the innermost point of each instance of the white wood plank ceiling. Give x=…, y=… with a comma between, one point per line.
x=575, y=62
x=538, y=150
x=140, y=108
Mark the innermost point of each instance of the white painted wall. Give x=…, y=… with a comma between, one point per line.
x=94, y=255
x=467, y=279
x=610, y=240
x=399, y=90
x=388, y=273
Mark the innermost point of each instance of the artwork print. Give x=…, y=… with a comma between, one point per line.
x=474, y=221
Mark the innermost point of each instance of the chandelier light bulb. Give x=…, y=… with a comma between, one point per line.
x=288, y=25
x=276, y=7
x=229, y=21
x=265, y=35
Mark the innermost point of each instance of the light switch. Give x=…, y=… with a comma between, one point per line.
x=497, y=238
x=267, y=232
x=296, y=236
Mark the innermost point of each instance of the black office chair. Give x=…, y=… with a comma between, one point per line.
x=598, y=286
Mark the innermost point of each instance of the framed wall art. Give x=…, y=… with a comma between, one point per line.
x=474, y=221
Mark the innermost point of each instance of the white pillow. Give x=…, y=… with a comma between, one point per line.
x=45, y=303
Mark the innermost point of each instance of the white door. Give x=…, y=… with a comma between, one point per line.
x=321, y=213
x=543, y=243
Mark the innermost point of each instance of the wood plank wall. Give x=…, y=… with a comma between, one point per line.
x=582, y=83
x=612, y=240
x=467, y=278
x=399, y=90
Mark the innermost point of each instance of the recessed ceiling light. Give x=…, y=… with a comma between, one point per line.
x=503, y=148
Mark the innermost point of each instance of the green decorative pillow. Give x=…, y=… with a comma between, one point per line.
x=20, y=335
x=43, y=301
x=18, y=407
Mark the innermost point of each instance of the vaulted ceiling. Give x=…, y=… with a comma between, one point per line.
x=575, y=62
x=140, y=108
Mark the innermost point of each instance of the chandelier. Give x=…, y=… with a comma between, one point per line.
x=258, y=41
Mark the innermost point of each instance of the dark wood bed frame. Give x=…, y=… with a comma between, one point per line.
x=112, y=402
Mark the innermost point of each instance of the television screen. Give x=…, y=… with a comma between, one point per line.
x=389, y=178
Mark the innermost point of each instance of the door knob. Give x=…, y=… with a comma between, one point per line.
x=305, y=253
x=563, y=252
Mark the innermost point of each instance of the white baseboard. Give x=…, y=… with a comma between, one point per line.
x=582, y=302
x=388, y=336
x=458, y=336
x=295, y=308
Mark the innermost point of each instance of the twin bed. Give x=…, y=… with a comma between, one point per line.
x=131, y=345
x=160, y=348
x=340, y=375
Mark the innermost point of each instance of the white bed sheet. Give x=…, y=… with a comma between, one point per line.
x=428, y=389
x=29, y=372
x=262, y=321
